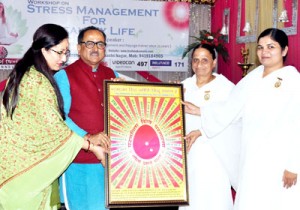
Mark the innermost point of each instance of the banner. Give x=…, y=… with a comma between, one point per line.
x=141, y=35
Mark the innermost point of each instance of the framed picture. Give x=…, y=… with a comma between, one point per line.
x=147, y=161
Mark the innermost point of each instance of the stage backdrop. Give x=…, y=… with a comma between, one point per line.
x=140, y=36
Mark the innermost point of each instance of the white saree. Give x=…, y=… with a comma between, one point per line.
x=210, y=160
x=269, y=108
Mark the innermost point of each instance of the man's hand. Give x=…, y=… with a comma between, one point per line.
x=289, y=179
x=191, y=138
x=191, y=108
x=100, y=139
x=119, y=79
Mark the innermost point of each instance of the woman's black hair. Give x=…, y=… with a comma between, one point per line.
x=46, y=36
x=276, y=35
x=208, y=47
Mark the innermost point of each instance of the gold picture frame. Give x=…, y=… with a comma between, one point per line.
x=147, y=161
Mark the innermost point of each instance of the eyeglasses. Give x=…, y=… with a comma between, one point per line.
x=90, y=44
x=60, y=53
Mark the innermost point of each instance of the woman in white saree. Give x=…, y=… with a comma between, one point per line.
x=211, y=161
x=267, y=101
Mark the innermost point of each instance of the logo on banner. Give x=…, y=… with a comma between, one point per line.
x=12, y=26
x=3, y=52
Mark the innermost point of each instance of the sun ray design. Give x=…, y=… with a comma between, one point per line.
x=146, y=142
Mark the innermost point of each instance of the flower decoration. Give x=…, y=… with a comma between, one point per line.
x=216, y=40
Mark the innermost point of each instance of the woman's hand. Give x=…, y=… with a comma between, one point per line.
x=100, y=139
x=191, y=108
x=99, y=152
x=289, y=179
x=191, y=138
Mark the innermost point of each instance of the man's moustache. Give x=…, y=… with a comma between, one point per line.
x=94, y=53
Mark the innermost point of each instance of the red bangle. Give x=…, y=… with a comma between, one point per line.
x=88, y=149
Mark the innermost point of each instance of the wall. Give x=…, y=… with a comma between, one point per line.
x=231, y=69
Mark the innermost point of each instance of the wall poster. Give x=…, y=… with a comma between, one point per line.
x=147, y=161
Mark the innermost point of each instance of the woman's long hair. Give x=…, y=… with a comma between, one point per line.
x=46, y=36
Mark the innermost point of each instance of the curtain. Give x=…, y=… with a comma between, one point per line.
x=265, y=12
